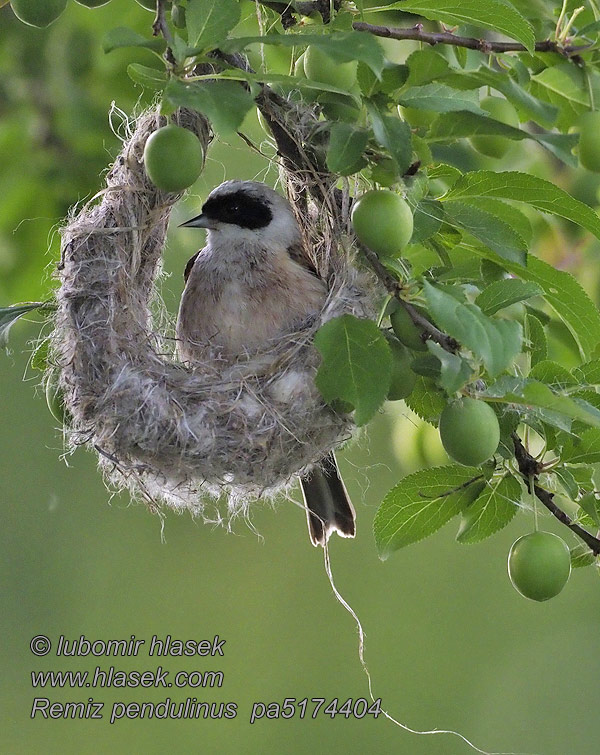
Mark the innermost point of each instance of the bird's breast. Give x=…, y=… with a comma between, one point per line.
x=241, y=307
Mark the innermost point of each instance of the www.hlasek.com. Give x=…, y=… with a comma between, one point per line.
x=190, y=708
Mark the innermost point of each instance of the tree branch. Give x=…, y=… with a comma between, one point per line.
x=418, y=34
x=530, y=468
x=289, y=151
x=160, y=28
x=394, y=287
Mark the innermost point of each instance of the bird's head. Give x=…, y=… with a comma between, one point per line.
x=247, y=211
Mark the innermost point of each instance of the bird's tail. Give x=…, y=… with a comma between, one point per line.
x=328, y=507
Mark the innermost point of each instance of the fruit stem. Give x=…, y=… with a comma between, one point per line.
x=529, y=467
x=534, y=502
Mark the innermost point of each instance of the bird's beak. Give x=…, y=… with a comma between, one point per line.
x=200, y=221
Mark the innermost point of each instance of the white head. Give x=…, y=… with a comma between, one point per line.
x=247, y=212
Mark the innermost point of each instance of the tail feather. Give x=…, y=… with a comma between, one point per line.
x=328, y=507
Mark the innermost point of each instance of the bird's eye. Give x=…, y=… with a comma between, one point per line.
x=234, y=208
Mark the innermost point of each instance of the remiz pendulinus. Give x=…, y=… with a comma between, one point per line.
x=252, y=283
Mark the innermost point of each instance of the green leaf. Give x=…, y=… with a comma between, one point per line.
x=568, y=299
x=40, y=357
x=497, y=15
x=559, y=409
x=341, y=46
x=224, y=103
x=507, y=213
x=9, y=315
x=357, y=364
x=491, y=230
x=496, y=342
x=346, y=146
x=582, y=450
x=151, y=78
x=427, y=400
x=427, y=220
x=535, y=338
x=269, y=77
x=531, y=107
x=523, y=187
x=426, y=66
x=581, y=556
x=588, y=374
x=465, y=124
x=393, y=77
x=122, y=36
x=508, y=421
x=209, y=21
x=420, y=504
x=503, y=293
x=456, y=371
x=565, y=87
x=491, y=511
x=393, y=134
x=440, y=98
x=590, y=504
x=567, y=481
x=553, y=374
x=445, y=172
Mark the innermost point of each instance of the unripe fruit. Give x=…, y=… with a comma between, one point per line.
x=469, y=431
x=403, y=378
x=92, y=3
x=406, y=331
x=589, y=140
x=501, y=110
x=539, y=565
x=383, y=221
x=40, y=13
x=173, y=158
x=318, y=66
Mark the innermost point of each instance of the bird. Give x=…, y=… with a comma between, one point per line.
x=253, y=282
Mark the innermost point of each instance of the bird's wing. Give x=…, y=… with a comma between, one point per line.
x=299, y=254
x=189, y=266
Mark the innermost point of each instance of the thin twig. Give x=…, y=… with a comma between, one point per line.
x=530, y=468
x=418, y=34
x=160, y=28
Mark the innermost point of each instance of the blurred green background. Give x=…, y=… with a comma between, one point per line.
x=449, y=643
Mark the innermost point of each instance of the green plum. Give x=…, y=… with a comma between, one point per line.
x=173, y=158
x=469, y=431
x=539, y=565
x=383, y=221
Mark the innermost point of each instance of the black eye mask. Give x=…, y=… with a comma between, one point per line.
x=239, y=209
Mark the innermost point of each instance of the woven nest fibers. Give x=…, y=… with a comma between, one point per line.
x=170, y=433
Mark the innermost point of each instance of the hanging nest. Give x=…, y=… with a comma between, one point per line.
x=179, y=435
